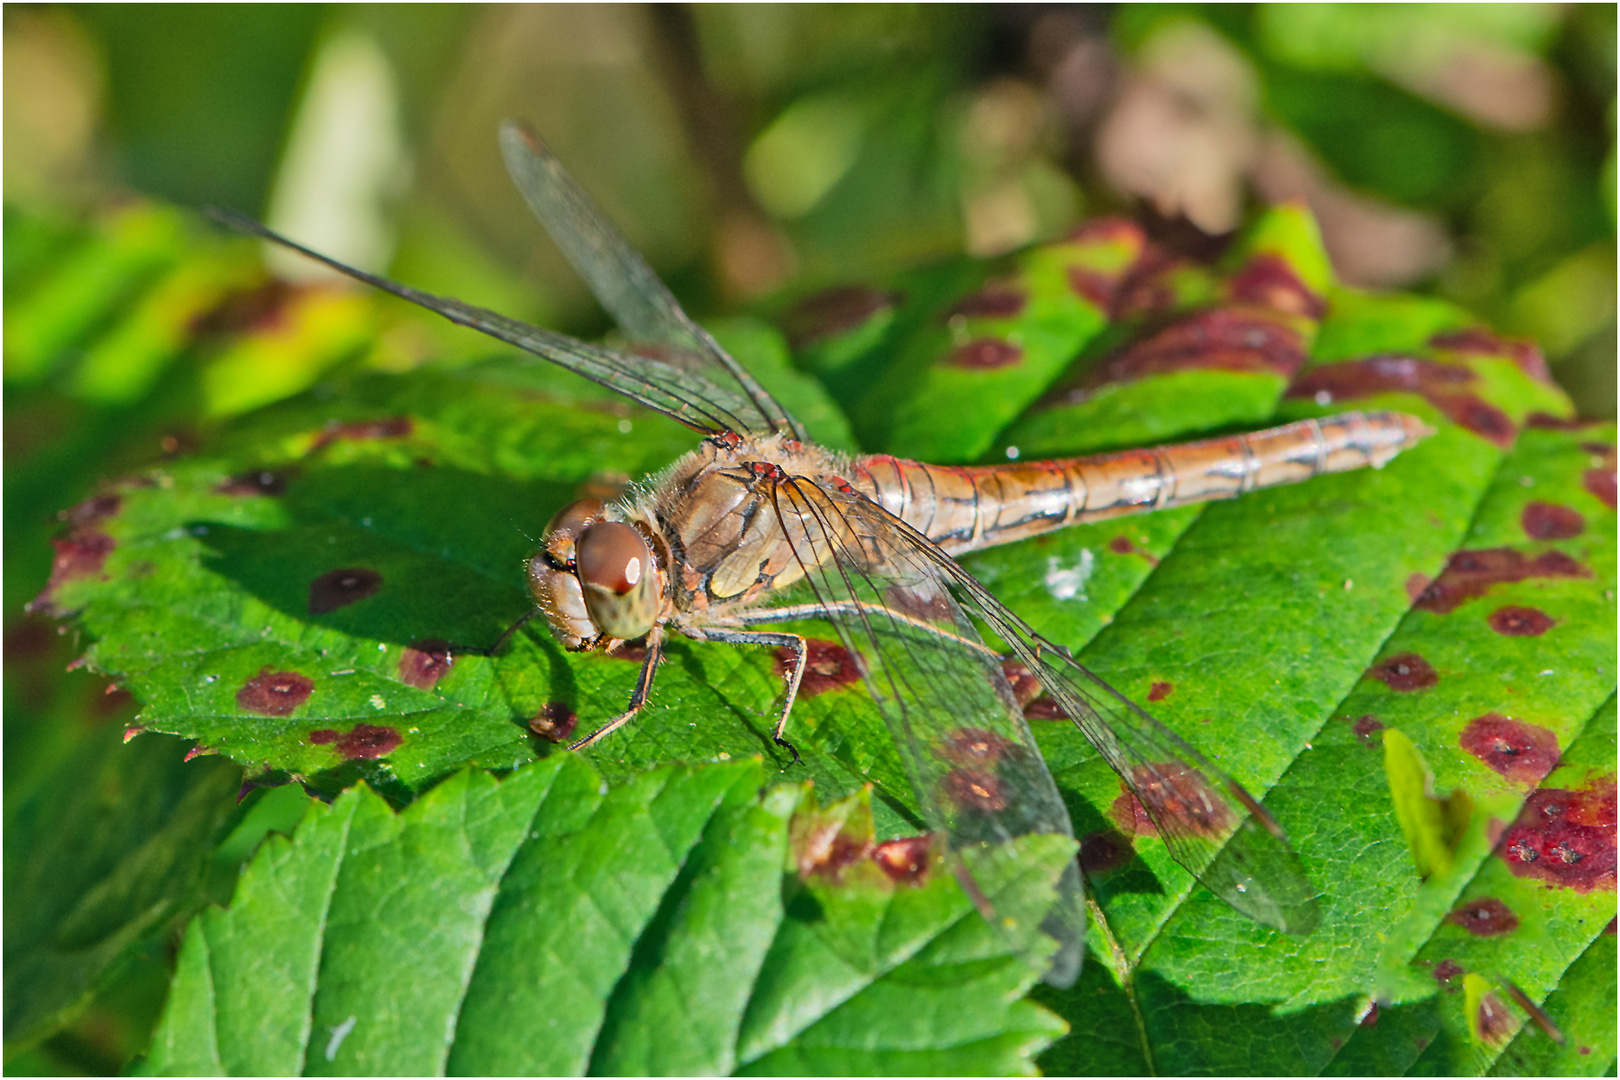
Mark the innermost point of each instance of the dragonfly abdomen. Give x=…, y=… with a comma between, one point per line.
x=964, y=508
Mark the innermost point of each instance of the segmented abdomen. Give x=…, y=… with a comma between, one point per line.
x=963, y=508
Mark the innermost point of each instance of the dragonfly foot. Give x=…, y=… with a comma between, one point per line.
x=790, y=748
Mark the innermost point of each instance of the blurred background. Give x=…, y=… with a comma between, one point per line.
x=754, y=154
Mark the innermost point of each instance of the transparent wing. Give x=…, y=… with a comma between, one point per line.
x=623, y=282
x=674, y=390
x=972, y=763
x=1209, y=822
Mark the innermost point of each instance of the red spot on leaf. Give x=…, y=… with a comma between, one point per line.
x=256, y=310
x=975, y=746
x=274, y=693
x=1495, y=1025
x=339, y=588
x=1600, y=484
x=1565, y=837
x=81, y=554
x=1367, y=728
x=256, y=482
x=1517, y=621
x=1044, y=707
x=984, y=354
x=1269, y=281
x=905, y=860
x=1160, y=690
x=828, y=314
x=1549, y=422
x=1223, y=339
x=1103, y=851
x=1442, y=385
x=1172, y=796
x=827, y=666
x=1549, y=521
x=392, y=427
x=1093, y=286
x=425, y=662
x=1415, y=584
x=365, y=741
x=994, y=301
x=555, y=722
x=974, y=789
x=1486, y=917
x=1478, y=341
x=1405, y=673
x=1470, y=574
x=1446, y=970
x=1122, y=545
x=1025, y=686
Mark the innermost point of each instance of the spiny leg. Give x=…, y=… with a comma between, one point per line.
x=796, y=612
x=795, y=673
x=638, y=697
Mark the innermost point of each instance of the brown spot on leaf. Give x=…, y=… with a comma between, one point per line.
x=974, y=789
x=1093, y=286
x=1025, y=686
x=1405, y=673
x=274, y=693
x=1370, y=1017
x=1486, y=917
x=1549, y=521
x=92, y=511
x=1103, y=851
x=984, y=354
x=392, y=427
x=425, y=662
x=828, y=314
x=1268, y=280
x=1044, y=707
x=339, y=588
x=1446, y=970
x=827, y=666
x=1478, y=341
x=365, y=741
x=905, y=860
x=997, y=300
x=1470, y=574
x=1484, y=420
x=554, y=722
x=1515, y=621
x=256, y=482
x=1160, y=690
x=1565, y=838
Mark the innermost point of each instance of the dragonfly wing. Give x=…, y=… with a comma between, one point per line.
x=621, y=279
x=1210, y=823
x=675, y=390
x=967, y=749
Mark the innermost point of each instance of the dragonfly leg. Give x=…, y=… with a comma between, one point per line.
x=491, y=650
x=795, y=672
x=638, y=697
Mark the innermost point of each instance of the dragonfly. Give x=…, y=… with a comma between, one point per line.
x=760, y=526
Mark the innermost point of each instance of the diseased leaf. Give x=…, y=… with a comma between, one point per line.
x=285, y=597
x=544, y=924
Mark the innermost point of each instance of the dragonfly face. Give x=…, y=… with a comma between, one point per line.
x=594, y=578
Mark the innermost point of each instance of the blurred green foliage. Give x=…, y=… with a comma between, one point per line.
x=750, y=151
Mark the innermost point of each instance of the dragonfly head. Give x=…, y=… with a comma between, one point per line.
x=594, y=577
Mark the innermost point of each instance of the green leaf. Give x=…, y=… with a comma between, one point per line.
x=1269, y=631
x=546, y=924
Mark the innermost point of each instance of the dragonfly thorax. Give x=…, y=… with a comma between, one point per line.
x=594, y=578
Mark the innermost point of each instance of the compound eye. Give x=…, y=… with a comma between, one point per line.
x=615, y=567
x=566, y=525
